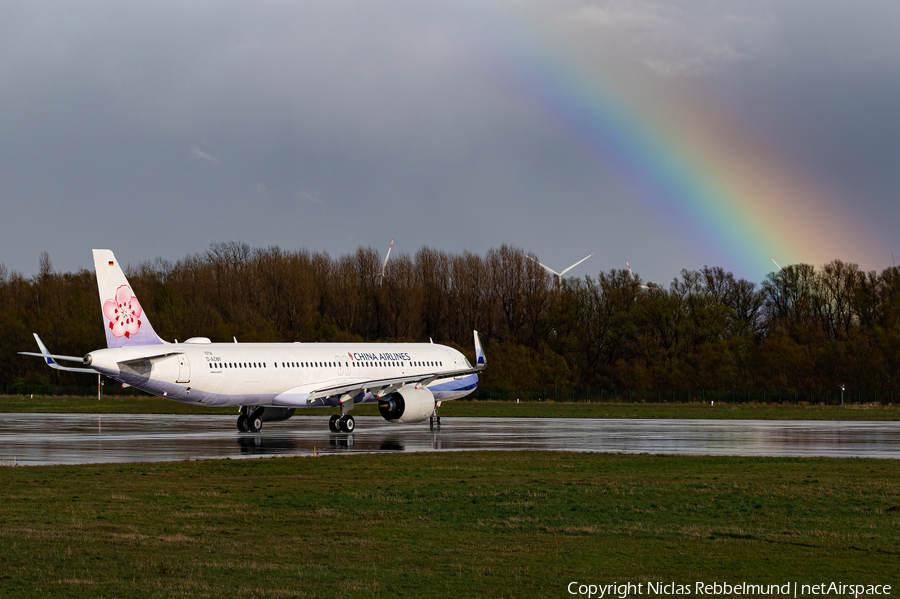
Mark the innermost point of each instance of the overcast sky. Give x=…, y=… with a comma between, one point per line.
x=156, y=128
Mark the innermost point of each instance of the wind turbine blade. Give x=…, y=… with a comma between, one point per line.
x=544, y=265
x=574, y=265
x=776, y=264
x=629, y=270
x=388, y=255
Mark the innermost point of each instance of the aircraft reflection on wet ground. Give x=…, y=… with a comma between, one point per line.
x=260, y=445
x=34, y=439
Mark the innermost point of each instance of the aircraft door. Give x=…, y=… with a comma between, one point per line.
x=340, y=363
x=184, y=369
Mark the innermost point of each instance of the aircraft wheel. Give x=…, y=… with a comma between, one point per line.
x=333, y=425
x=243, y=424
x=347, y=423
x=254, y=423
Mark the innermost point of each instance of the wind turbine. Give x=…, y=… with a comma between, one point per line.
x=384, y=264
x=776, y=264
x=633, y=277
x=558, y=275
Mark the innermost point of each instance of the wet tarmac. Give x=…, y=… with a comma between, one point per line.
x=35, y=439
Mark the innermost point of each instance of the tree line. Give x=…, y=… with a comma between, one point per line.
x=803, y=327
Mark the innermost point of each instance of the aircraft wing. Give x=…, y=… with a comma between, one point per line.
x=381, y=387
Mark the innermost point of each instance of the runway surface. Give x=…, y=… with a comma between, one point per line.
x=35, y=439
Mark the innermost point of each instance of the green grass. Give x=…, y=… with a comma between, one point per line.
x=543, y=409
x=499, y=524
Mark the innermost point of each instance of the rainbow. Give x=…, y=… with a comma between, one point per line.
x=737, y=197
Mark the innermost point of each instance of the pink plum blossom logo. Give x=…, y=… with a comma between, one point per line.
x=123, y=313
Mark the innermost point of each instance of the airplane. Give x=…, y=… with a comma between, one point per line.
x=269, y=381
x=558, y=275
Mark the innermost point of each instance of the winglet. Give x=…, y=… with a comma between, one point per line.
x=480, y=360
x=50, y=362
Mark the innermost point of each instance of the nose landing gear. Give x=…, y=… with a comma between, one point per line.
x=435, y=421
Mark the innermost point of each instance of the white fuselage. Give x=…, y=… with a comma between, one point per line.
x=278, y=374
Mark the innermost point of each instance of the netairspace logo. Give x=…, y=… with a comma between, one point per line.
x=791, y=589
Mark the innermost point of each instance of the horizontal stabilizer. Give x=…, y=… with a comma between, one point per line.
x=50, y=359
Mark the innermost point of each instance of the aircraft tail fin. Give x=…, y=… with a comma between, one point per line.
x=124, y=320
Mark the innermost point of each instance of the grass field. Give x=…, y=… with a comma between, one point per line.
x=505, y=524
x=545, y=409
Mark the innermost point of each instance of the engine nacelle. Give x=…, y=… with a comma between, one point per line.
x=407, y=404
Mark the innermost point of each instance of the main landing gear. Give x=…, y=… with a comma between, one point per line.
x=341, y=424
x=250, y=420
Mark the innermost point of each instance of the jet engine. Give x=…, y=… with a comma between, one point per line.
x=407, y=404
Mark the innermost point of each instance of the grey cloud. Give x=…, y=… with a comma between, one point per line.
x=198, y=153
x=673, y=39
x=346, y=118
